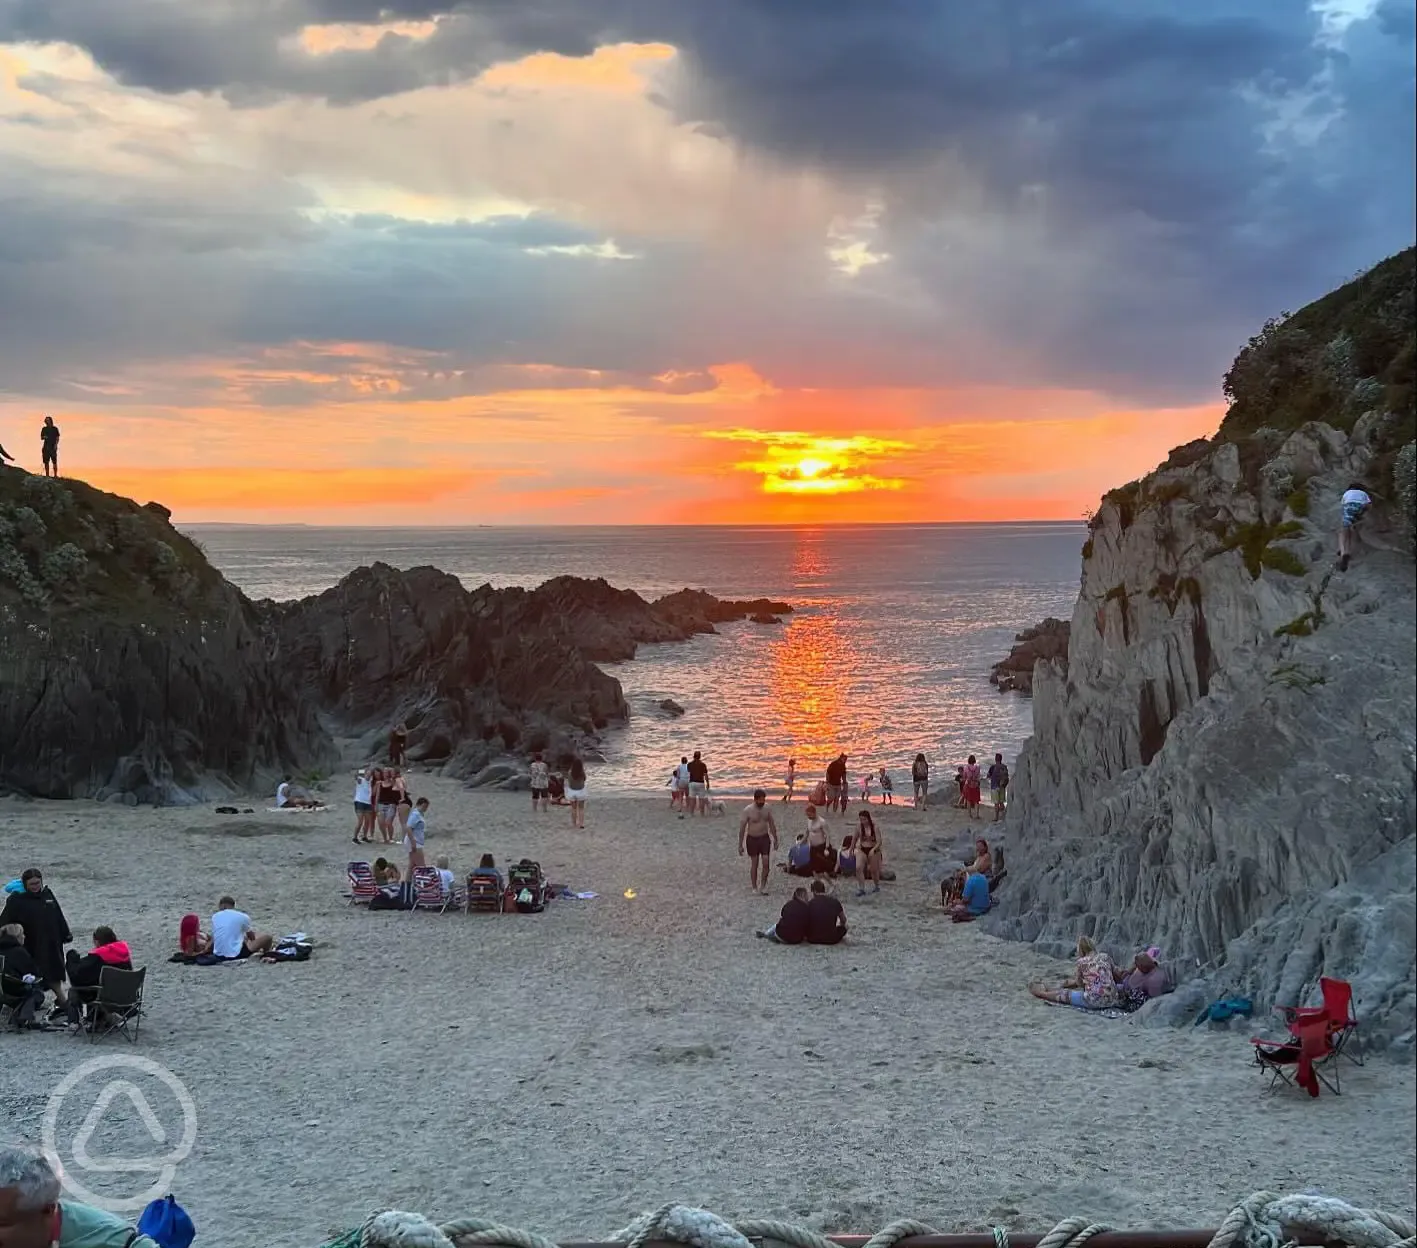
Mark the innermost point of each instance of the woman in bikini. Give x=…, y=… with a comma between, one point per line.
x=868, y=852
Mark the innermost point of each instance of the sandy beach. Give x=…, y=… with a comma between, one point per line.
x=565, y=1071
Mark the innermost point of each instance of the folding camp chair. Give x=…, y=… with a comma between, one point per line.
x=118, y=1003
x=428, y=890
x=363, y=888
x=484, y=893
x=14, y=992
x=1337, y=1011
x=1308, y=1052
x=527, y=875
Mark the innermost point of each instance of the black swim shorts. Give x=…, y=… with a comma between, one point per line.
x=759, y=846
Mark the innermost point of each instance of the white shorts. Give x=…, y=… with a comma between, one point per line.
x=575, y=795
x=697, y=789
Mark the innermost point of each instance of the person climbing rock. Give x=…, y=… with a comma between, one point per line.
x=1353, y=506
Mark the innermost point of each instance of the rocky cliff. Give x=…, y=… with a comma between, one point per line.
x=475, y=674
x=1226, y=766
x=129, y=668
x=1048, y=640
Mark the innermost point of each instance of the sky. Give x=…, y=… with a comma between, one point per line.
x=669, y=261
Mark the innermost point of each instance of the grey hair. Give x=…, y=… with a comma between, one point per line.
x=13, y=929
x=31, y=1174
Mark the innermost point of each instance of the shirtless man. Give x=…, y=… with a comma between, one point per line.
x=757, y=837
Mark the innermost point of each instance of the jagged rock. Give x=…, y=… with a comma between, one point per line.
x=128, y=663
x=1227, y=766
x=493, y=774
x=670, y=707
x=1048, y=640
x=762, y=617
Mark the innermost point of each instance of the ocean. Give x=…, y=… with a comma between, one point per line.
x=887, y=653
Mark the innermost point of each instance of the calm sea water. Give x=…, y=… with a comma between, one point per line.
x=888, y=652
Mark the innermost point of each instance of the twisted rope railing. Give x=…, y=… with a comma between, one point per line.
x=1264, y=1220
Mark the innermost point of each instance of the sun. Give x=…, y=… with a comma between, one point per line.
x=809, y=468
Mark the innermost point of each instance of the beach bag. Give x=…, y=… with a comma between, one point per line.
x=166, y=1223
x=528, y=902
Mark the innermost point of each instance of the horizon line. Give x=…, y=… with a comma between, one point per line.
x=765, y=524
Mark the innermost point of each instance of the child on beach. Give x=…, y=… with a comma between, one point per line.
x=887, y=790
x=791, y=781
x=866, y=787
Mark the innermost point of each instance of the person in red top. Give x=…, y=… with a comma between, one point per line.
x=970, y=787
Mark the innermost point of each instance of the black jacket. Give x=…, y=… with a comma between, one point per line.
x=46, y=929
x=15, y=959
x=792, y=922
x=826, y=921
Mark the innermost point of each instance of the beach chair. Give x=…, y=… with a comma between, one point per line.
x=14, y=992
x=363, y=888
x=118, y=1004
x=428, y=890
x=1301, y=1060
x=1337, y=1012
x=527, y=875
x=484, y=893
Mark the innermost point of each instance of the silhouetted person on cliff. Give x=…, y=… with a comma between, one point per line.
x=49, y=446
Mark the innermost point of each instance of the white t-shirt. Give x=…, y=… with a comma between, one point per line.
x=282, y=793
x=681, y=774
x=229, y=928
x=363, y=790
x=1357, y=496
x=447, y=878
x=417, y=827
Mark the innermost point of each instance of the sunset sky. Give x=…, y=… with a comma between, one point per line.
x=661, y=261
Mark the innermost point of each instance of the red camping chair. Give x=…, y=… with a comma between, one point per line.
x=1337, y=1012
x=1308, y=1052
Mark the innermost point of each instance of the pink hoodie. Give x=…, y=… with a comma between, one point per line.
x=115, y=954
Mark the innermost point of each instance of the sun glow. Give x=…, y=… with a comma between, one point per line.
x=807, y=464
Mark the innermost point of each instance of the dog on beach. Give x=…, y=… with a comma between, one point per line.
x=716, y=807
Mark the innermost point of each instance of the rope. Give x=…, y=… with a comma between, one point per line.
x=1263, y=1220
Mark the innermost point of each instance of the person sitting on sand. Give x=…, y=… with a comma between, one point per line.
x=287, y=798
x=385, y=873
x=818, y=796
x=887, y=788
x=17, y=967
x=973, y=897
x=1093, y=985
x=791, y=925
x=556, y=789
x=192, y=942
x=822, y=856
x=1145, y=977
x=487, y=868
x=826, y=920
x=446, y=878
x=846, y=860
x=233, y=937
x=868, y=849
x=799, y=857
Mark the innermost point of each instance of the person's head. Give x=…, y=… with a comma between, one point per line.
x=104, y=936
x=920, y=758
x=487, y=861
x=801, y=838
x=33, y=880
x=1357, y=485
x=881, y=771
x=684, y=758
x=422, y=803
x=759, y=798
x=1145, y=962
x=811, y=811
x=697, y=756
x=865, y=821
x=981, y=846
x=818, y=888
x=442, y=862
x=971, y=760
x=998, y=758
x=847, y=842
x=13, y=930
x=800, y=894
x=29, y=1198
x=792, y=762
x=536, y=758
x=1085, y=946
x=189, y=927
x=381, y=864
x=49, y=420
x=226, y=903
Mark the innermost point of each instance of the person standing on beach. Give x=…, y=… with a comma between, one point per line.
x=416, y=833
x=681, y=784
x=868, y=850
x=791, y=781
x=757, y=838
x=576, y=791
x=49, y=446
x=698, y=785
x=363, y=807
x=398, y=744
x=37, y=910
x=920, y=776
x=540, y=782
x=836, y=784
x=969, y=788
x=999, y=783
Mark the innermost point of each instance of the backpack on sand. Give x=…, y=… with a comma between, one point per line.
x=166, y=1223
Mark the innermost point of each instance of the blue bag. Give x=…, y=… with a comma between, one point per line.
x=166, y=1223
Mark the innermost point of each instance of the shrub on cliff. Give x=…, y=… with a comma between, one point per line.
x=1404, y=486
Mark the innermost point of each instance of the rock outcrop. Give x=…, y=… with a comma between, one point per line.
x=1227, y=764
x=129, y=669
x=1048, y=640
x=476, y=673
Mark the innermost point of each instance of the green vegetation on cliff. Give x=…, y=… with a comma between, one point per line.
x=1352, y=351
